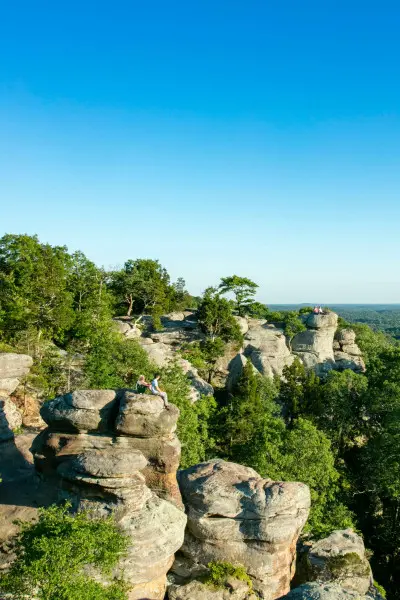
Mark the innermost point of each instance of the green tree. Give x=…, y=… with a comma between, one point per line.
x=34, y=291
x=114, y=362
x=306, y=456
x=242, y=288
x=51, y=555
x=193, y=425
x=251, y=429
x=143, y=286
x=92, y=301
x=216, y=319
x=293, y=325
x=298, y=392
x=343, y=408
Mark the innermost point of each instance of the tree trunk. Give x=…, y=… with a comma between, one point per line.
x=130, y=306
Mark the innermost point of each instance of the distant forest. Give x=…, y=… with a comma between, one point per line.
x=380, y=317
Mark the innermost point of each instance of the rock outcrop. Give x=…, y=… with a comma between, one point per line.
x=12, y=368
x=117, y=451
x=346, y=352
x=265, y=345
x=234, y=515
x=196, y=590
x=340, y=559
x=315, y=345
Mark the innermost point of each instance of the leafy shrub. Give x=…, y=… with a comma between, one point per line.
x=221, y=571
x=51, y=555
x=380, y=589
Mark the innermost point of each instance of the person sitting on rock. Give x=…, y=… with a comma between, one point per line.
x=316, y=310
x=155, y=390
x=320, y=311
x=142, y=385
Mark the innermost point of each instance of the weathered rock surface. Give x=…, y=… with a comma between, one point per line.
x=10, y=415
x=195, y=590
x=346, y=352
x=82, y=410
x=234, y=515
x=143, y=415
x=117, y=451
x=318, y=591
x=198, y=386
x=12, y=368
x=315, y=345
x=236, y=367
x=339, y=558
x=265, y=345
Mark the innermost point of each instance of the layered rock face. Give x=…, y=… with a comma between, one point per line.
x=265, y=346
x=117, y=451
x=315, y=345
x=234, y=515
x=340, y=559
x=346, y=352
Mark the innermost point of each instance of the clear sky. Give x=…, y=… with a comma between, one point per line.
x=260, y=138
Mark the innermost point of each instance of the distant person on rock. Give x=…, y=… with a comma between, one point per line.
x=142, y=385
x=155, y=390
x=316, y=310
x=320, y=311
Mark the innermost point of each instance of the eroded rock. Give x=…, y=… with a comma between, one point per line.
x=234, y=515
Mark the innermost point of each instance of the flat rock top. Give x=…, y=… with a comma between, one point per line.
x=225, y=489
x=339, y=543
x=89, y=399
x=323, y=321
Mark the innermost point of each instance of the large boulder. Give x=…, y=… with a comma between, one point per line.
x=346, y=352
x=82, y=410
x=12, y=368
x=120, y=460
x=339, y=558
x=321, y=591
x=143, y=415
x=196, y=590
x=315, y=345
x=234, y=515
x=265, y=345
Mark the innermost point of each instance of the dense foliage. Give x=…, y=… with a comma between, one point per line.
x=51, y=555
x=339, y=434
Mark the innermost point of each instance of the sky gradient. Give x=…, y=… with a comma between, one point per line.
x=258, y=138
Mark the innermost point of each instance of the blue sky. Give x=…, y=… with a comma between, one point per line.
x=258, y=138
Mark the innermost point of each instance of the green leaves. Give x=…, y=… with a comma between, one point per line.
x=242, y=288
x=216, y=318
x=51, y=555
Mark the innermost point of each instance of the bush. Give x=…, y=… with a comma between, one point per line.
x=51, y=555
x=221, y=571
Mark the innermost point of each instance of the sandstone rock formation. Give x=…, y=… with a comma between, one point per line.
x=234, y=515
x=265, y=346
x=12, y=368
x=117, y=451
x=339, y=558
x=195, y=590
x=315, y=345
x=346, y=352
